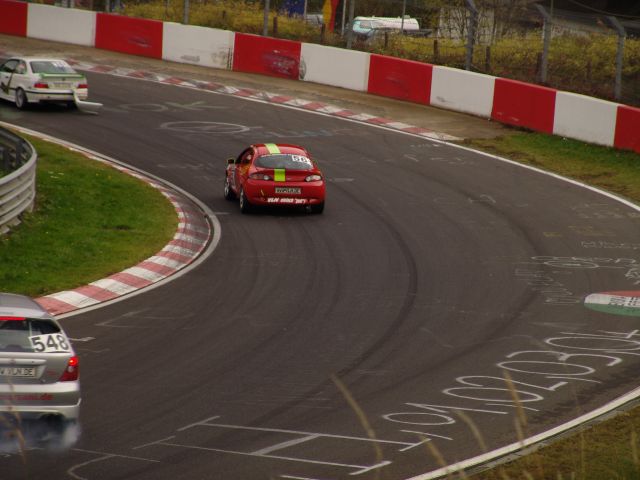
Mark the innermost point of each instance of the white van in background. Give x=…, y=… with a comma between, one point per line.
x=366, y=26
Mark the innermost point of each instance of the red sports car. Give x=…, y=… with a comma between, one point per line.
x=275, y=174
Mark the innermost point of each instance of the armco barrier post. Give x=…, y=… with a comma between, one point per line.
x=545, y=42
x=265, y=21
x=622, y=34
x=471, y=33
x=352, y=8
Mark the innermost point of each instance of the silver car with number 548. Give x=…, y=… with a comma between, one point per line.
x=39, y=381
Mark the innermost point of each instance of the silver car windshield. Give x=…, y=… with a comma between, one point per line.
x=51, y=67
x=18, y=335
x=285, y=161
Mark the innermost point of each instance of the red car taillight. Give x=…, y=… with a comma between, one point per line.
x=259, y=176
x=83, y=85
x=40, y=85
x=70, y=373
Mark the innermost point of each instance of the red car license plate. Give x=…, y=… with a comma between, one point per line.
x=290, y=190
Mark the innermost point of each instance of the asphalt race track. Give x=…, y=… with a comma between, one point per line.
x=341, y=345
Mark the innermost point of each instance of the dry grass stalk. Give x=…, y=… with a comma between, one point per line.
x=437, y=455
x=521, y=424
x=362, y=417
x=474, y=429
x=521, y=417
x=634, y=449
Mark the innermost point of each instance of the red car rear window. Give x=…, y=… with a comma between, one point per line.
x=285, y=161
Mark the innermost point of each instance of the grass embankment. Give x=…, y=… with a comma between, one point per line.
x=89, y=221
x=608, y=450
x=614, y=170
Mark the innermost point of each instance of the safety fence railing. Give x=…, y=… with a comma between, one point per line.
x=18, y=161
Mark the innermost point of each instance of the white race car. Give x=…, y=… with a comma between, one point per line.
x=25, y=80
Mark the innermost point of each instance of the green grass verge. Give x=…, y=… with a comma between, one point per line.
x=611, y=449
x=614, y=170
x=89, y=221
x=606, y=451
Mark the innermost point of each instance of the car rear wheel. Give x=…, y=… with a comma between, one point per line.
x=245, y=206
x=21, y=99
x=317, y=208
x=228, y=193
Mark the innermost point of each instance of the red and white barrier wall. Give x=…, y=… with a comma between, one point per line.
x=524, y=105
x=266, y=56
x=585, y=118
x=41, y=26
x=207, y=47
x=13, y=18
x=320, y=65
x=401, y=79
x=462, y=91
x=136, y=36
x=515, y=103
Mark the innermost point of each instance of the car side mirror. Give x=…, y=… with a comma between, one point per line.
x=230, y=161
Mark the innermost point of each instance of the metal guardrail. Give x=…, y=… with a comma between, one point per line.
x=17, y=188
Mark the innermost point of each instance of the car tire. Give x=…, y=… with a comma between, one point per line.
x=228, y=193
x=245, y=206
x=21, y=99
x=318, y=208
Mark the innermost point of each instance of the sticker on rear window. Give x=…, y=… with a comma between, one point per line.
x=50, y=343
x=300, y=159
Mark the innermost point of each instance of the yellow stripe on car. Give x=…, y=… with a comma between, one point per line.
x=272, y=147
x=278, y=174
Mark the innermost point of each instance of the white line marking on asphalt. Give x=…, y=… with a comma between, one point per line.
x=282, y=445
x=203, y=422
x=153, y=443
x=71, y=471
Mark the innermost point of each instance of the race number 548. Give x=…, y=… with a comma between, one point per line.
x=52, y=342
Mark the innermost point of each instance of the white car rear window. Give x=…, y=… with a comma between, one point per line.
x=16, y=335
x=44, y=66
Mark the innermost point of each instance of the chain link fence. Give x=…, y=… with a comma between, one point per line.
x=595, y=53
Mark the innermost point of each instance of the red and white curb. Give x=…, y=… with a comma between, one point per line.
x=617, y=303
x=266, y=97
x=192, y=236
x=190, y=239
